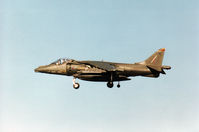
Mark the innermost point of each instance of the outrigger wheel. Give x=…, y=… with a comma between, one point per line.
x=118, y=85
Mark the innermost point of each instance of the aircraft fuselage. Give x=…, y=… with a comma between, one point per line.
x=101, y=71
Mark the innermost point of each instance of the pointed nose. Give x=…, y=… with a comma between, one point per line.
x=52, y=69
x=41, y=69
x=37, y=69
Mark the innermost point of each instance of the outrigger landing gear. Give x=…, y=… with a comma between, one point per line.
x=110, y=84
x=118, y=85
x=75, y=84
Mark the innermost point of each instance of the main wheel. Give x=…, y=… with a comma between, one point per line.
x=118, y=85
x=110, y=84
x=76, y=85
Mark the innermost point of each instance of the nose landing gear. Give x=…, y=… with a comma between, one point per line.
x=75, y=84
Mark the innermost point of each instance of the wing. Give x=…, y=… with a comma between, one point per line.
x=101, y=65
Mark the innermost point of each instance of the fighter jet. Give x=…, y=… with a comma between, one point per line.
x=101, y=71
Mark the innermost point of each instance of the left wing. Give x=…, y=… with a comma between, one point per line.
x=101, y=65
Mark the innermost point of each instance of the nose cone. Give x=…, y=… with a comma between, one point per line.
x=52, y=69
x=42, y=69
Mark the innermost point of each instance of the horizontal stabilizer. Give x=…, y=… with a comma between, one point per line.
x=154, y=67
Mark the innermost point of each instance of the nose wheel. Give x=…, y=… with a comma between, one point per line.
x=75, y=84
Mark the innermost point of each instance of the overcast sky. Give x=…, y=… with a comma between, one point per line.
x=37, y=32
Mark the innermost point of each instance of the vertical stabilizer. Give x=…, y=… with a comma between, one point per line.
x=155, y=60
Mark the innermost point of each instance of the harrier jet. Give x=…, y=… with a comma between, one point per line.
x=101, y=71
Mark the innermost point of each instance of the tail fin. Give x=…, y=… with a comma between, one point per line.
x=155, y=60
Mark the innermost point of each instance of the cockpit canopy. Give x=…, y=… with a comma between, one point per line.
x=62, y=60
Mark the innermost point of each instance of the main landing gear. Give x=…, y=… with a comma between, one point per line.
x=110, y=84
x=75, y=84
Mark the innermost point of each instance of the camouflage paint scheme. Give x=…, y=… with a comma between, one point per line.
x=101, y=71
